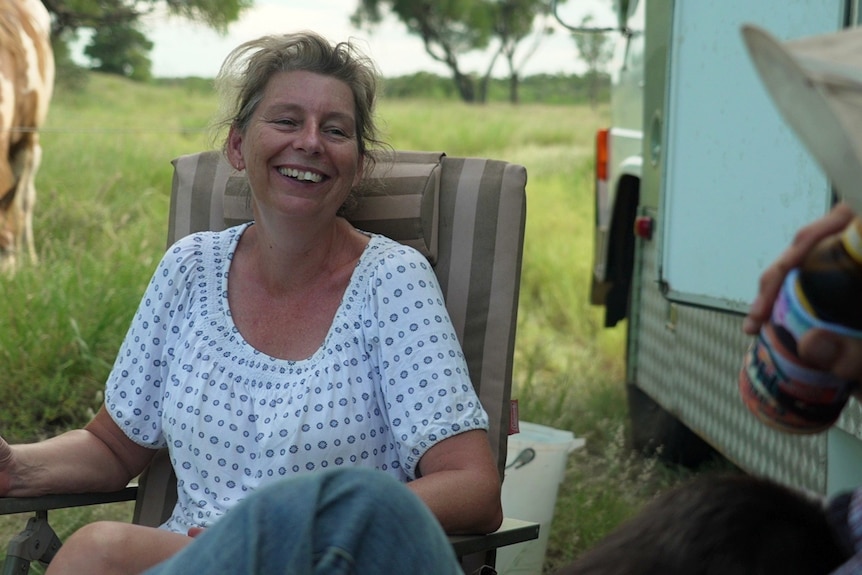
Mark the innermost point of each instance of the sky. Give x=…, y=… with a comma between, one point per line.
x=184, y=48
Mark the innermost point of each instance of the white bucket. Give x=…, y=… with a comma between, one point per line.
x=535, y=466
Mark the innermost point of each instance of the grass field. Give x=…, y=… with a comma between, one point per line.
x=101, y=224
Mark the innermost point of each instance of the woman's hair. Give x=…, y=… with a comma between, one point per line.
x=244, y=75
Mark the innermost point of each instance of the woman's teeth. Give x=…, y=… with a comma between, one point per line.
x=303, y=176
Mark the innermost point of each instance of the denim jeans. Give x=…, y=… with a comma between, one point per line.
x=354, y=520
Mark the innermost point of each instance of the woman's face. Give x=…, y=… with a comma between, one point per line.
x=300, y=150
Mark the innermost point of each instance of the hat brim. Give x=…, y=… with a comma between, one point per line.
x=820, y=97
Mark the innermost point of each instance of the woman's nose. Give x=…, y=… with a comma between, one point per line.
x=308, y=138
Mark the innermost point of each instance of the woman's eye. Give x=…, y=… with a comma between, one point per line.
x=338, y=132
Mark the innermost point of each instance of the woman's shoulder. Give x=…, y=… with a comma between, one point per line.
x=196, y=240
x=389, y=263
x=387, y=252
x=202, y=246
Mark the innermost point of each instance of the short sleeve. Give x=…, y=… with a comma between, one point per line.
x=424, y=378
x=135, y=386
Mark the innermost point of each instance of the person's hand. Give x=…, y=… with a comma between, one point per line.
x=804, y=241
x=819, y=348
x=828, y=351
x=195, y=531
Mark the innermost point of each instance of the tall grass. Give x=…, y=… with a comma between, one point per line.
x=101, y=225
x=103, y=192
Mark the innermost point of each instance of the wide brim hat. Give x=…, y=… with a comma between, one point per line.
x=816, y=84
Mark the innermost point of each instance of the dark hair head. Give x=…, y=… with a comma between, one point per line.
x=720, y=525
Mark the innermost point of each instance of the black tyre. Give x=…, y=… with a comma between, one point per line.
x=655, y=432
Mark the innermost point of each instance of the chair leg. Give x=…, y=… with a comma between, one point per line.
x=37, y=542
x=479, y=563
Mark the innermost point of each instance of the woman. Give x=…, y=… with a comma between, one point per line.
x=292, y=344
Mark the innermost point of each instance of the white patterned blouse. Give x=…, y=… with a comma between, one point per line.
x=388, y=382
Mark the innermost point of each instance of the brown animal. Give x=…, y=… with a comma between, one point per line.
x=26, y=85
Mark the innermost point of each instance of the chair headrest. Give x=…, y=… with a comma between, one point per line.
x=401, y=201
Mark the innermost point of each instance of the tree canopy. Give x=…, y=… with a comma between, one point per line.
x=71, y=15
x=450, y=29
x=596, y=50
x=121, y=50
x=118, y=46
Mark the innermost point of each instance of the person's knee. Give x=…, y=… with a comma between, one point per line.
x=95, y=547
x=376, y=487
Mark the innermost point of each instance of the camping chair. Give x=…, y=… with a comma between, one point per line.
x=466, y=215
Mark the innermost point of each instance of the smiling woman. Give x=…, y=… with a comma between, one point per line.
x=281, y=346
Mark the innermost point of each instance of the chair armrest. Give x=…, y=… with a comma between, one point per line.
x=23, y=548
x=510, y=532
x=11, y=505
x=38, y=541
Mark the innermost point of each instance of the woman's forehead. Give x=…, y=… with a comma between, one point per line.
x=310, y=91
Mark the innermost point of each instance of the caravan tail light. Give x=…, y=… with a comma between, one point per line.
x=602, y=155
x=644, y=227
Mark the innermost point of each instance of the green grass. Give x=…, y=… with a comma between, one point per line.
x=100, y=226
x=103, y=192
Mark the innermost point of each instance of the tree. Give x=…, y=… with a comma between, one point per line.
x=596, y=50
x=115, y=25
x=514, y=21
x=448, y=29
x=72, y=15
x=121, y=50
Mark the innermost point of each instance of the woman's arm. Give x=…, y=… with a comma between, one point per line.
x=97, y=458
x=460, y=484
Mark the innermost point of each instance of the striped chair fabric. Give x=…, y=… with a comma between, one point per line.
x=466, y=215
